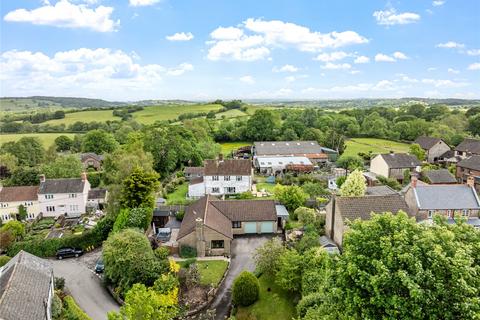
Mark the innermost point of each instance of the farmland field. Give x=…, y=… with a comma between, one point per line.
x=234, y=113
x=169, y=112
x=357, y=145
x=228, y=147
x=85, y=116
x=46, y=139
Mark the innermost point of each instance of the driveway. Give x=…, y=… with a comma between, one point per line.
x=242, y=259
x=84, y=285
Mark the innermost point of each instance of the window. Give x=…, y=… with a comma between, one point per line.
x=49, y=196
x=215, y=190
x=72, y=195
x=449, y=213
x=465, y=212
x=239, y=178
x=217, y=244
x=215, y=178
x=236, y=224
x=50, y=208
x=74, y=207
x=230, y=190
x=226, y=178
x=430, y=214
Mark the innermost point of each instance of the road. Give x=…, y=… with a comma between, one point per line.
x=242, y=259
x=85, y=286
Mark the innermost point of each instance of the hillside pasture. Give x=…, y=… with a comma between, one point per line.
x=355, y=146
x=151, y=114
x=47, y=139
x=85, y=116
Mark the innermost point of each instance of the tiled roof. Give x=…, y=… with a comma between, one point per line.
x=193, y=170
x=97, y=193
x=352, y=208
x=469, y=145
x=14, y=194
x=196, y=180
x=472, y=162
x=427, y=142
x=247, y=210
x=400, y=160
x=440, y=176
x=91, y=155
x=265, y=148
x=24, y=287
x=228, y=167
x=380, y=191
x=446, y=197
x=61, y=186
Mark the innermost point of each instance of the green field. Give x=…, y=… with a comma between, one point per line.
x=234, y=113
x=47, y=139
x=357, y=145
x=228, y=147
x=85, y=116
x=169, y=112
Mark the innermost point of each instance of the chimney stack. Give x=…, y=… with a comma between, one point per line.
x=220, y=157
x=471, y=181
x=42, y=178
x=414, y=179
x=84, y=176
x=200, y=237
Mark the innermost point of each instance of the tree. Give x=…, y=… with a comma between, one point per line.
x=63, y=143
x=24, y=176
x=22, y=213
x=99, y=142
x=138, y=189
x=266, y=257
x=417, y=151
x=474, y=125
x=261, y=126
x=8, y=164
x=245, y=289
x=290, y=196
x=314, y=189
x=306, y=215
x=129, y=259
x=6, y=239
x=16, y=228
x=289, y=274
x=133, y=218
x=68, y=166
x=354, y=186
x=29, y=151
x=350, y=163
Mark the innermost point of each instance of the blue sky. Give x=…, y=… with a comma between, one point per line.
x=199, y=50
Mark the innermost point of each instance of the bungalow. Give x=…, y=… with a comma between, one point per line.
x=469, y=168
x=12, y=197
x=222, y=177
x=468, y=147
x=394, y=165
x=91, y=160
x=449, y=201
x=434, y=148
x=309, y=149
x=440, y=176
x=63, y=196
x=210, y=224
x=340, y=210
x=26, y=288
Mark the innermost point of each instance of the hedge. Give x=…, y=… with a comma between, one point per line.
x=49, y=247
x=72, y=311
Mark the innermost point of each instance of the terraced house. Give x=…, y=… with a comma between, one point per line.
x=11, y=198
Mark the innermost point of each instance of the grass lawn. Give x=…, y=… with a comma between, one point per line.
x=357, y=145
x=211, y=271
x=275, y=304
x=179, y=195
x=151, y=114
x=85, y=116
x=47, y=139
x=228, y=147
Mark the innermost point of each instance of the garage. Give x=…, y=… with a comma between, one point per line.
x=266, y=227
x=250, y=227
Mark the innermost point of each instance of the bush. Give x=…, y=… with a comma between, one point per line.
x=188, y=252
x=59, y=283
x=56, y=307
x=308, y=302
x=305, y=215
x=162, y=253
x=4, y=260
x=179, y=215
x=72, y=311
x=188, y=262
x=245, y=289
x=192, y=277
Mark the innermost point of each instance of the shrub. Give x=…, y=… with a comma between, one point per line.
x=188, y=262
x=4, y=260
x=308, y=302
x=188, y=252
x=56, y=307
x=179, y=215
x=192, y=277
x=59, y=283
x=72, y=311
x=162, y=253
x=305, y=215
x=245, y=289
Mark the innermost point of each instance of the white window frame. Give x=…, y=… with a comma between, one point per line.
x=465, y=213
x=215, y=178
x=430, y=214
x=226, y=178
x=239, y=178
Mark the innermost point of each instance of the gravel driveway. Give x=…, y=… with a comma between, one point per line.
x=242, y=259
x=84, y=285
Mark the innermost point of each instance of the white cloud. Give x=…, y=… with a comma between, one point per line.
x=399, y=55
x=285, y=68
x=474, y=66
x=290, y=79
x=380, y=57
x=180, y=36
x=334, y=66
x=431, y=69
x=438, y=3
x=391, y=17
x=255, y=38
x=362, y=59
x=82, y=72
x=67, y=15
x=454, y=71
x=440, y=83
x=450, y=45
x=332, y=56
x=473, y=52
x=247, y=79
x=406, y=78
x=142, y=3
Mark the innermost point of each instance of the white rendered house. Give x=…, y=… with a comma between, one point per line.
x=12, y=197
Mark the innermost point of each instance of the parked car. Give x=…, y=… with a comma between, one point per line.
x=68, y=252
x=99, y=266
x=164, y=234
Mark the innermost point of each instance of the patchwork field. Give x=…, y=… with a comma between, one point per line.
x=356, y=145
x=85, y=116
x=228, y=147
x=46, y=139
x=169, y=112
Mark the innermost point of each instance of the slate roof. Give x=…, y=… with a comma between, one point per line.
x=265, y=148
x=380, y=191
x=97, y=194
x=427, y=142
x=88, y=155
x=235, y=167
x=446, y=197
x=193, y=170
x=352, y=208
x=18, y=194
x=441, y=176
x=469, y=145
x=24, y=287
x=219, y=214
x=74, y=185
x=472, y=162
x=400, y=160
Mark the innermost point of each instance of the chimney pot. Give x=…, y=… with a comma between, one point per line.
x=84, y=176
x=471, y=181
x=42, y=178
x=414, y=180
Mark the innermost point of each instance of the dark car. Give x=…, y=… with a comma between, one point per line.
x=164, y=234
x=68, y=252
x=99, y=266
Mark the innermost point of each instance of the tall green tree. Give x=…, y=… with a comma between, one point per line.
x=290, y=196
x=29, y=151
x=68, y=166
x=138, y=189
x=99, y=142
x=354, y=185
x=350, y=163
x=261, y=126
x=63, y=143
x=417, y=151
